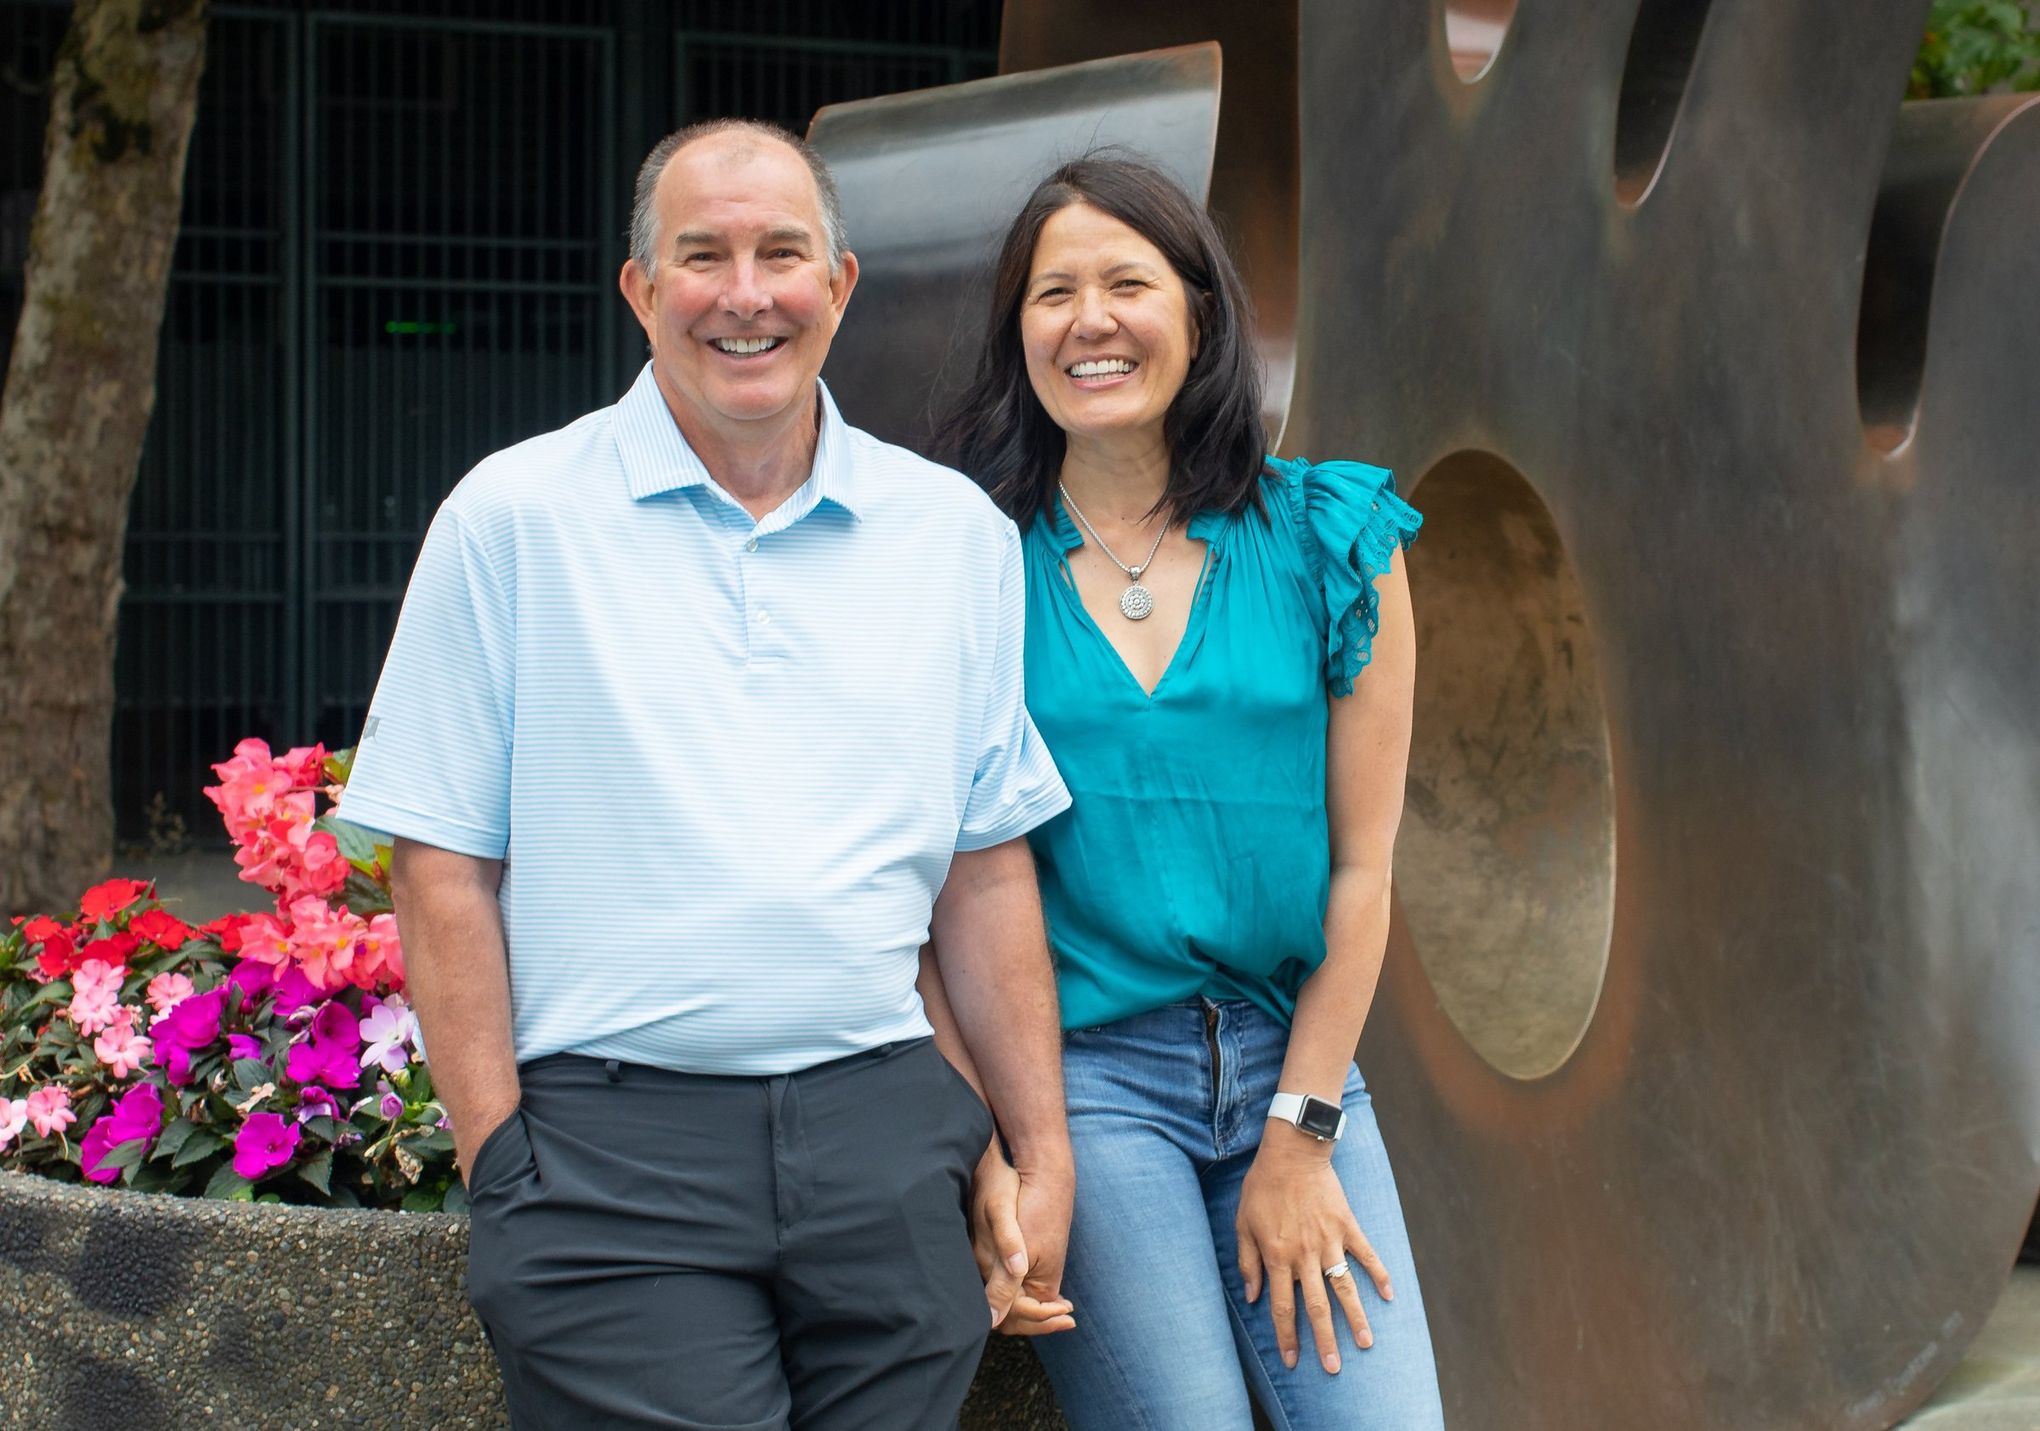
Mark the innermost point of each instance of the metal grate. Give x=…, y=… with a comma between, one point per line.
x=402, y=224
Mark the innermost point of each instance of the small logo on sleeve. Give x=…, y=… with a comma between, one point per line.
x=368, y=730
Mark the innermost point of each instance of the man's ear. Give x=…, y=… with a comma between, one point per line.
x=637, y=292
x=841, y=282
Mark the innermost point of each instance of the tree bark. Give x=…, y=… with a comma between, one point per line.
x=80, y=386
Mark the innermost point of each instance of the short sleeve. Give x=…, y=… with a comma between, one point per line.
x=1015, y=786
x=1351, y=524
x=433, y=762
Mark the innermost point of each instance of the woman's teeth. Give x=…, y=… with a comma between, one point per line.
x=1101, y=368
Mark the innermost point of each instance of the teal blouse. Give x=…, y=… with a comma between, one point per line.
x=1195, y=858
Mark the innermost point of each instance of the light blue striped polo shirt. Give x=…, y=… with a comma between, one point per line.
x=726, y=761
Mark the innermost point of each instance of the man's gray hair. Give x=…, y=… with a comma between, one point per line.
x=644, y=214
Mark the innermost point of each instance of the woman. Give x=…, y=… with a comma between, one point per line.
x=1217, y=898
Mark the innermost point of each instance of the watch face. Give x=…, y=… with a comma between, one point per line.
x=1319, y=1118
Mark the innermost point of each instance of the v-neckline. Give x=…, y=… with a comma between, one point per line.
x=1069, y=539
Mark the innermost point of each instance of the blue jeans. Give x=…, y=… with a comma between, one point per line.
x=1164, y=1133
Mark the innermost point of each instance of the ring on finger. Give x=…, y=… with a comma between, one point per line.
x=1337, y=1271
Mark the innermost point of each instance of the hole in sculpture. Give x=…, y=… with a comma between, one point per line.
x=1473, y=33
x=1505, y=866
x=1662, y=44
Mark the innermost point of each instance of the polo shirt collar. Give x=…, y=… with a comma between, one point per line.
x=657, y=458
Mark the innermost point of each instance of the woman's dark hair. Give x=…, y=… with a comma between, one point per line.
x=998, y=432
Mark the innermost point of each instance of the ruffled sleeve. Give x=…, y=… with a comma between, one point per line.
x=1350, y=524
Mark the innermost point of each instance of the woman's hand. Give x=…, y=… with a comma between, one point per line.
x=1001, y=1252
x=1293, y=1224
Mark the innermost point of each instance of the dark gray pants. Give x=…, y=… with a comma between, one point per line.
x=655, y=1249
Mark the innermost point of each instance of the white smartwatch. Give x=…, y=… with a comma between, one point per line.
x=1324, y=1121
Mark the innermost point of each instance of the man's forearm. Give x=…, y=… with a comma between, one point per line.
x=993, y=955
x=457, y=973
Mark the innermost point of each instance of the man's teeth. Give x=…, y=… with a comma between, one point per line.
x=1100, y=368
x=745, y=345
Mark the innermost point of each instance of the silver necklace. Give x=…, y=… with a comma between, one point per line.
x=1136, y=603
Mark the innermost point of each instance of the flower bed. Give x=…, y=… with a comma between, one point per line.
x=261, y=1057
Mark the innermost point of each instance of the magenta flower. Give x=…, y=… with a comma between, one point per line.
x=265, y=1143
x=241, y=1046
x=188, y=1028
x=329, y=1055
x=294, y=991
x=315, y=1102
x=137, y=1116
x=49, y=1109
x=251, y=979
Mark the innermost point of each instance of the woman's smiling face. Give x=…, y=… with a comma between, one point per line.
x=1105, y=327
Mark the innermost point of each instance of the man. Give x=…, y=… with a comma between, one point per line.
x=702, y=713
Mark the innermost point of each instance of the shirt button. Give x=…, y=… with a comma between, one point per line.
x=764, y=618
x=751, y=545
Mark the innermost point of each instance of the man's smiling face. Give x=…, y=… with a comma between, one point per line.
x=741, y=305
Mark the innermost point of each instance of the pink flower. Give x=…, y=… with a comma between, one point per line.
x=13, y=1118
x=95, y=996
x=325, y=941
x=392, y=1105
x=121, y=1048
x=167, y=991
x=49, y=1108
x=316, y=1102
x=265, y=1142
x=380, y=964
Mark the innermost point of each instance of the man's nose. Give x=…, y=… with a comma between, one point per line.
x=745, y=295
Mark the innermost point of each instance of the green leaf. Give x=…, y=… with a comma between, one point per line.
x=250, y=1074
x=48, y=994
x=318, y=1171
x=229, y=1185
x=456, y=1197
x=199, y=1144
x=339, y=765
x=126, y=1157
x=423, y=1200
x=173, y=1137
x=357, y=846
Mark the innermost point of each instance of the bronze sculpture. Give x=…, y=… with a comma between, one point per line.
x=1713, y=1009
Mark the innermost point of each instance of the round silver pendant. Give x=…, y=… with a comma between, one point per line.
x=1136, y=602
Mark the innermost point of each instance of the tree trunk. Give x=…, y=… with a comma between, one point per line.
x=80, y=386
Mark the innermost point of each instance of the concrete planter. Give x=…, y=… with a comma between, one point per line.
x=125, y=1309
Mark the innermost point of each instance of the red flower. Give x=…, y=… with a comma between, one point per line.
x=104, y=901
x=114, y=950
x=59, y=945
x=161, y=928
x=228, y=929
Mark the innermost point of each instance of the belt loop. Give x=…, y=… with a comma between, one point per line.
x=614, y=1069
